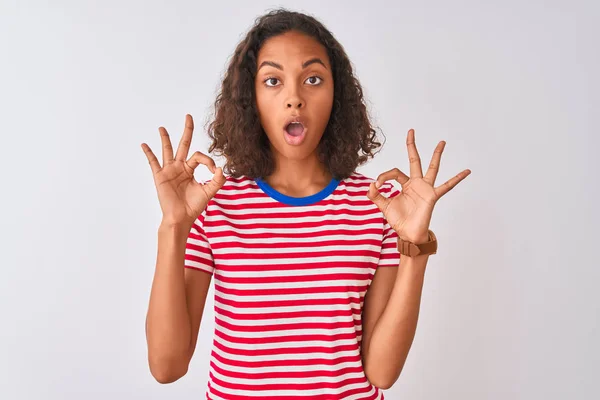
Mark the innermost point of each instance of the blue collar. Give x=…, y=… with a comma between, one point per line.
x=297, y=201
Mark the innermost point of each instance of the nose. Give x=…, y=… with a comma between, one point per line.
x=294, y=100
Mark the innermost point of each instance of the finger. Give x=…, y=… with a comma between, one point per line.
x=434, y=166
x=215, y=183
x=200, y=158
x=167, y=148
x=376, y=197
x=152, y=160
x=413, y=156
x=451, y=183
x=184, y=144
x=394, y=173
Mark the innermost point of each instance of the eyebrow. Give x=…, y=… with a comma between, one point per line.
x=315, y=60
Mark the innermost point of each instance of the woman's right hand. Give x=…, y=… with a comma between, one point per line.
x=182, y=199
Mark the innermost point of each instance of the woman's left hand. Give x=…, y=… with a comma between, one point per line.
x=409, y=213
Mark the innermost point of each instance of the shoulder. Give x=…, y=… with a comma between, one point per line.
x=361, y=183
x=231, y=195
x=232, y=182
x=234, y=185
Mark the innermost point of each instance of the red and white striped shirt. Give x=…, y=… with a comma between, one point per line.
x=290, y=279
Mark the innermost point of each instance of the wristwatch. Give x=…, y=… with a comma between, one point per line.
x=410, y=249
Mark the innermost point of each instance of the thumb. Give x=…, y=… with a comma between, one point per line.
x=380, y=200
x=216, y=183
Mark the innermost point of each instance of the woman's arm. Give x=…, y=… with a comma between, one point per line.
x=390, y=319
x=176, y=306
x=409, y=214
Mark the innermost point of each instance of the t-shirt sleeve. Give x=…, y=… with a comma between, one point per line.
x=390, y=256
x=198, y=254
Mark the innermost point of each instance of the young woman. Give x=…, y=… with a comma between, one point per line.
x=313, y=299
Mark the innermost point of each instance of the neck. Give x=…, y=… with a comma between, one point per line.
x=299, y=178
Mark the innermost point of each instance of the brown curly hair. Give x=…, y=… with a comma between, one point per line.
x=349, y=139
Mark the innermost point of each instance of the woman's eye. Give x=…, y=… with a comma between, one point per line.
x=271, y=82
x=314, y=80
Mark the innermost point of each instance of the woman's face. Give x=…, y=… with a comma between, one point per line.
x=294, y=84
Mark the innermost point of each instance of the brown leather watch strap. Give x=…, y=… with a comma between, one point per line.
x=411, y=249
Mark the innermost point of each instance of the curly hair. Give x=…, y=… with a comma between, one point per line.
x=349, y=139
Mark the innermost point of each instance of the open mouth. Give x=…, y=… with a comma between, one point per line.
x=295, y=129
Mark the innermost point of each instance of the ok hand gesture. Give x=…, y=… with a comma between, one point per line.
x=409, y=213
x=182, y=199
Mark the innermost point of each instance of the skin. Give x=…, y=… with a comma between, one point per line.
x=286, y=86
x=392, y=303
x=178, y=294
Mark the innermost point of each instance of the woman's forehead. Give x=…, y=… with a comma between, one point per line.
x=292, y=47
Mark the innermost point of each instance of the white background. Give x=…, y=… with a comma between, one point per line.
x=510, y=306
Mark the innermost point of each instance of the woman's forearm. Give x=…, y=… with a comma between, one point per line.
x=395, y=330
x=168, y=328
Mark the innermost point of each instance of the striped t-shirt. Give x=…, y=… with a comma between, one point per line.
x=290, y=278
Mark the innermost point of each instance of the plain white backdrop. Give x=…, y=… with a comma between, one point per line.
x=510, y=306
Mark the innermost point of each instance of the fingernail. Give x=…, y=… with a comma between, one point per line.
x=377, y=184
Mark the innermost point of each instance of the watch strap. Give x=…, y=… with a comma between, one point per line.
x=411, y=249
